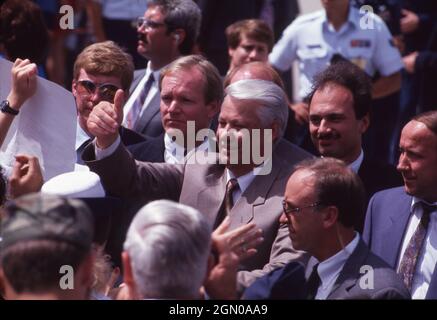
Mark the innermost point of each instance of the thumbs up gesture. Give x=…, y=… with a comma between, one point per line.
x=105, y=120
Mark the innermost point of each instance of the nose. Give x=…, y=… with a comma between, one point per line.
x=254, y=55
x=403, y=163
x=283, y=219
x=95, y=97
x=173, y=107
x=323, y=126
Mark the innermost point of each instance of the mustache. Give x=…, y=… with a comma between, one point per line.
x=328, y=136
x=142, y=37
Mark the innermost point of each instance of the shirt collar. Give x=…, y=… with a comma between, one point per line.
x=353, y=19
x=356, y=164
x=156, y=74
x=177, y=152
x=81, y=135
x=416, y=202
x=243, y=181
x=329, y=269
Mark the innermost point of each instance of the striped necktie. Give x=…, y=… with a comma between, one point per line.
x=408, y=264
x=135, y=110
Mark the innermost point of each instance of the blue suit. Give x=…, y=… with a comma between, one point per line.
x=387, y=219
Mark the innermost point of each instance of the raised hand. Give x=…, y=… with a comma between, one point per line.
x=23, y=82
x=105, y=120
x=26, y=176
x=229, y=249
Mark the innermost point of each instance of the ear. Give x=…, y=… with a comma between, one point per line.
x=85, y=272
x=128, y=275
x=73, y=87
x=179, y=36
x=212, y=108
x=275, y=130
x=6, y=290
x=231, y=52
x=330, y=217
x=364, y=123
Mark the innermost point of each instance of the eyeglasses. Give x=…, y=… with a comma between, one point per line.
x=148, y=24
x=288, y=209
x=106, y=91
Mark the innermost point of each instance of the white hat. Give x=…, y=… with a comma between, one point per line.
x=76, y=184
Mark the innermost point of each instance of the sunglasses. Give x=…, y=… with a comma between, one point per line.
x=106, y=91
x=148, y=24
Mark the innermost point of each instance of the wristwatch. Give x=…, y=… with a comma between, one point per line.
x=6, y=108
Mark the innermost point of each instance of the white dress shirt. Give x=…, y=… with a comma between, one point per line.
x=427, y=258
x=243, y=183
x=330, y=269
x=355, y=165
x=174, y=153
x=81, y=136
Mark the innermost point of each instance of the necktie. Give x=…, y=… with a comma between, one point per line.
x=408, y=263
x=228, y=202
x=135, y=111
x=313, y=283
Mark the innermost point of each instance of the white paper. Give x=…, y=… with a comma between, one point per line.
x=45, y=127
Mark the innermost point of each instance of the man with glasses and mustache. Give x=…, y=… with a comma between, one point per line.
x=99, y=71
x=339, y=107
x=168, y=30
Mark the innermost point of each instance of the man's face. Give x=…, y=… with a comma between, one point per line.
x=335, y=5
x=153, y=38
x=239, y=119
x=247, y=51
x=418, y=161
x=87, y=99
x=183, y=99
x=334, y=129
x=306, y=224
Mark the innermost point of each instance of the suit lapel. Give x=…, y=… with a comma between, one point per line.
x=349, y=275
x=432, y=289
x=213, y=190
x=399, y=215
x=255, y=195
x=151, y=110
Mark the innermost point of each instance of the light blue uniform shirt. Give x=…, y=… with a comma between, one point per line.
x=313, y=41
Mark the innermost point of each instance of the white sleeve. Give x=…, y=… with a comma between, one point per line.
x=284, y=51
x=104, y=153
x=387, y=58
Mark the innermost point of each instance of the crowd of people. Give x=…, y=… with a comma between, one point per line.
x=195, y=181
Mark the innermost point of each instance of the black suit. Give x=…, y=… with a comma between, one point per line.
x=376, y=176
x=151, y=150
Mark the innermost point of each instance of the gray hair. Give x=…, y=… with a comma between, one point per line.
x=168, y=244
x=181, y=14
x=272, y=99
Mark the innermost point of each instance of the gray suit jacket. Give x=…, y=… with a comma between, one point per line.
x=202, y=186
x=149, y=123
x=352, y=282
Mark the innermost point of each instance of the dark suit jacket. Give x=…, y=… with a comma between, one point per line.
x=286, y=282
x=149, y=124
x=386, y=223
x=376, y=176
x=127, y=136
x=202, y=186
x=151, y=150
